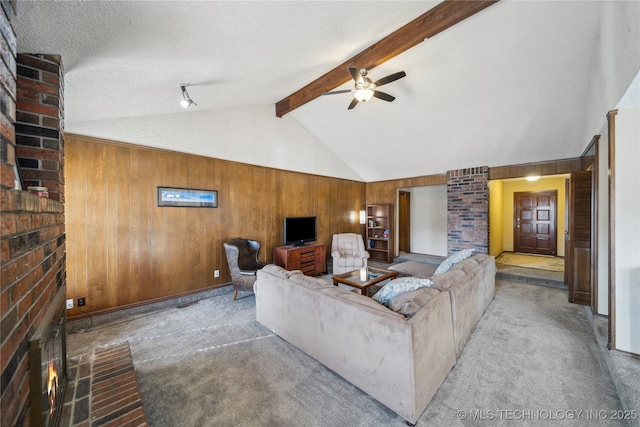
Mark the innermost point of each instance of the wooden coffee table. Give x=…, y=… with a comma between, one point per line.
x=362, y=280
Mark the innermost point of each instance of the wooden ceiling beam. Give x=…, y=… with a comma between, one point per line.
x=436, y=20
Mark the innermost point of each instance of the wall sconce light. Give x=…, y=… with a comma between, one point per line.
x=186, y=99
x=532, y=178
x=363, y=217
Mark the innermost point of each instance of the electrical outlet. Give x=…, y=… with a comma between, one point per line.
x=69, y=304
x=80, y=302
x=216, y=273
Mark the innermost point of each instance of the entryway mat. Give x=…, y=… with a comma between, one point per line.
x=539, y=262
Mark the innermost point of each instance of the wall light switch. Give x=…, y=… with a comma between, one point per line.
x=216, y=273
x=69, y=304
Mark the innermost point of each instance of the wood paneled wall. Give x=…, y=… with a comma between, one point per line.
x=124, y=250
x=382, y=192
x=552, y=167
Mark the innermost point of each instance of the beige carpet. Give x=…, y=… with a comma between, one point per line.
x=538, y=262
x=532, y=360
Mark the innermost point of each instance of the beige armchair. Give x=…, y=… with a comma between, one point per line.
x=348, y=252
x=242, y=257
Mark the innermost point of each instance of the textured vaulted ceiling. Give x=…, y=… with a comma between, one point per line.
x=508, y=85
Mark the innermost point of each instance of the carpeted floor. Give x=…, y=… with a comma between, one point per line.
x=533, y=359
x=539, y=262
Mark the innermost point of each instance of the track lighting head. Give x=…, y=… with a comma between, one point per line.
x=186, y=99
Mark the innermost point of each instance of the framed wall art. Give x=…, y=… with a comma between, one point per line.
x=187, y=197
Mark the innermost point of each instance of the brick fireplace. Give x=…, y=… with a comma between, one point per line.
x=32, y=238
x=48, y=353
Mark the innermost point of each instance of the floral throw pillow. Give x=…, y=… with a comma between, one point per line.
x=452, y=260
x=397, y=287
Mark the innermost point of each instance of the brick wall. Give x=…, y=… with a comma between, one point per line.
x=39, y=123
x=32, y=234
x=468, y=209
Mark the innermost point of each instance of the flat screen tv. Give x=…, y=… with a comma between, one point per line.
x=299, y=230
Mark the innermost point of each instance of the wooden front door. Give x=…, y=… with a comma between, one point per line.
x=404, y=221
x=535, y=222
x=578, y=253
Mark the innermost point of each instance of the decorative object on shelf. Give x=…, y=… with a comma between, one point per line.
x=187, y=198
x=39, y=191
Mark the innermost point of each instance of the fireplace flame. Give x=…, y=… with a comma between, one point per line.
x=52, y=386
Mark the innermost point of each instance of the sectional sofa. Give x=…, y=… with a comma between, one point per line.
x=400, y=354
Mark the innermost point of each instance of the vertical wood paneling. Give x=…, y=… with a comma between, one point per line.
x=123, y=249
x=71, y=217
x=173, y=229
x=146, y=196
x=159, y=255
x=111, y=223
x=96, y=216
x=133, y=173
x=123, y=226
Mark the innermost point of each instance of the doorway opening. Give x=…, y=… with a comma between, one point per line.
x=422, y=223
x=527, y=224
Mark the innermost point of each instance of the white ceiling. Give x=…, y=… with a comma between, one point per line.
x=509, y=85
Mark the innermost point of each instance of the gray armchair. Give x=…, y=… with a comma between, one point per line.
x=348, y=252
x=242, y=257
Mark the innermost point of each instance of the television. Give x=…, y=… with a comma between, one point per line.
x=299, y=230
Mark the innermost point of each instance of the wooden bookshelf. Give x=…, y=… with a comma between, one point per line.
x=380, y=233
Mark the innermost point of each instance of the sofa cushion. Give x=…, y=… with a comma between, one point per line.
x=280, y=272
x=354, y=298
x=397, y=287
x=410, y=302
x=452, y=260
x=309, y=282
x=466, y=265
x=444, y=281
x=414, y=268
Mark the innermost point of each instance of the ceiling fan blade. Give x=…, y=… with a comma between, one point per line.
x=338, y=91
x=353, y=104
x=390, y=78
x=355, y=74
x=383, y=96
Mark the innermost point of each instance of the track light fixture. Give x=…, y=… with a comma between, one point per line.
x=186, y=99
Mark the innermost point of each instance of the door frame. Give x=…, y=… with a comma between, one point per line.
x=553, y=194
x=404, y=221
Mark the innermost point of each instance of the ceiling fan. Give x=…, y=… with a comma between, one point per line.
x=365, y=87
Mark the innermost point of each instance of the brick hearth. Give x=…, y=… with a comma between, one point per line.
x=102, y=390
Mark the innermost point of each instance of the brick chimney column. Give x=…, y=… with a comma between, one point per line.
x=468, y=209
x=40, y=123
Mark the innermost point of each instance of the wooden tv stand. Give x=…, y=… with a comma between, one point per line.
x=311, y=259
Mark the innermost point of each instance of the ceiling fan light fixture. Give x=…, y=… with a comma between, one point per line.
x=363, y=95
x=186, y=99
